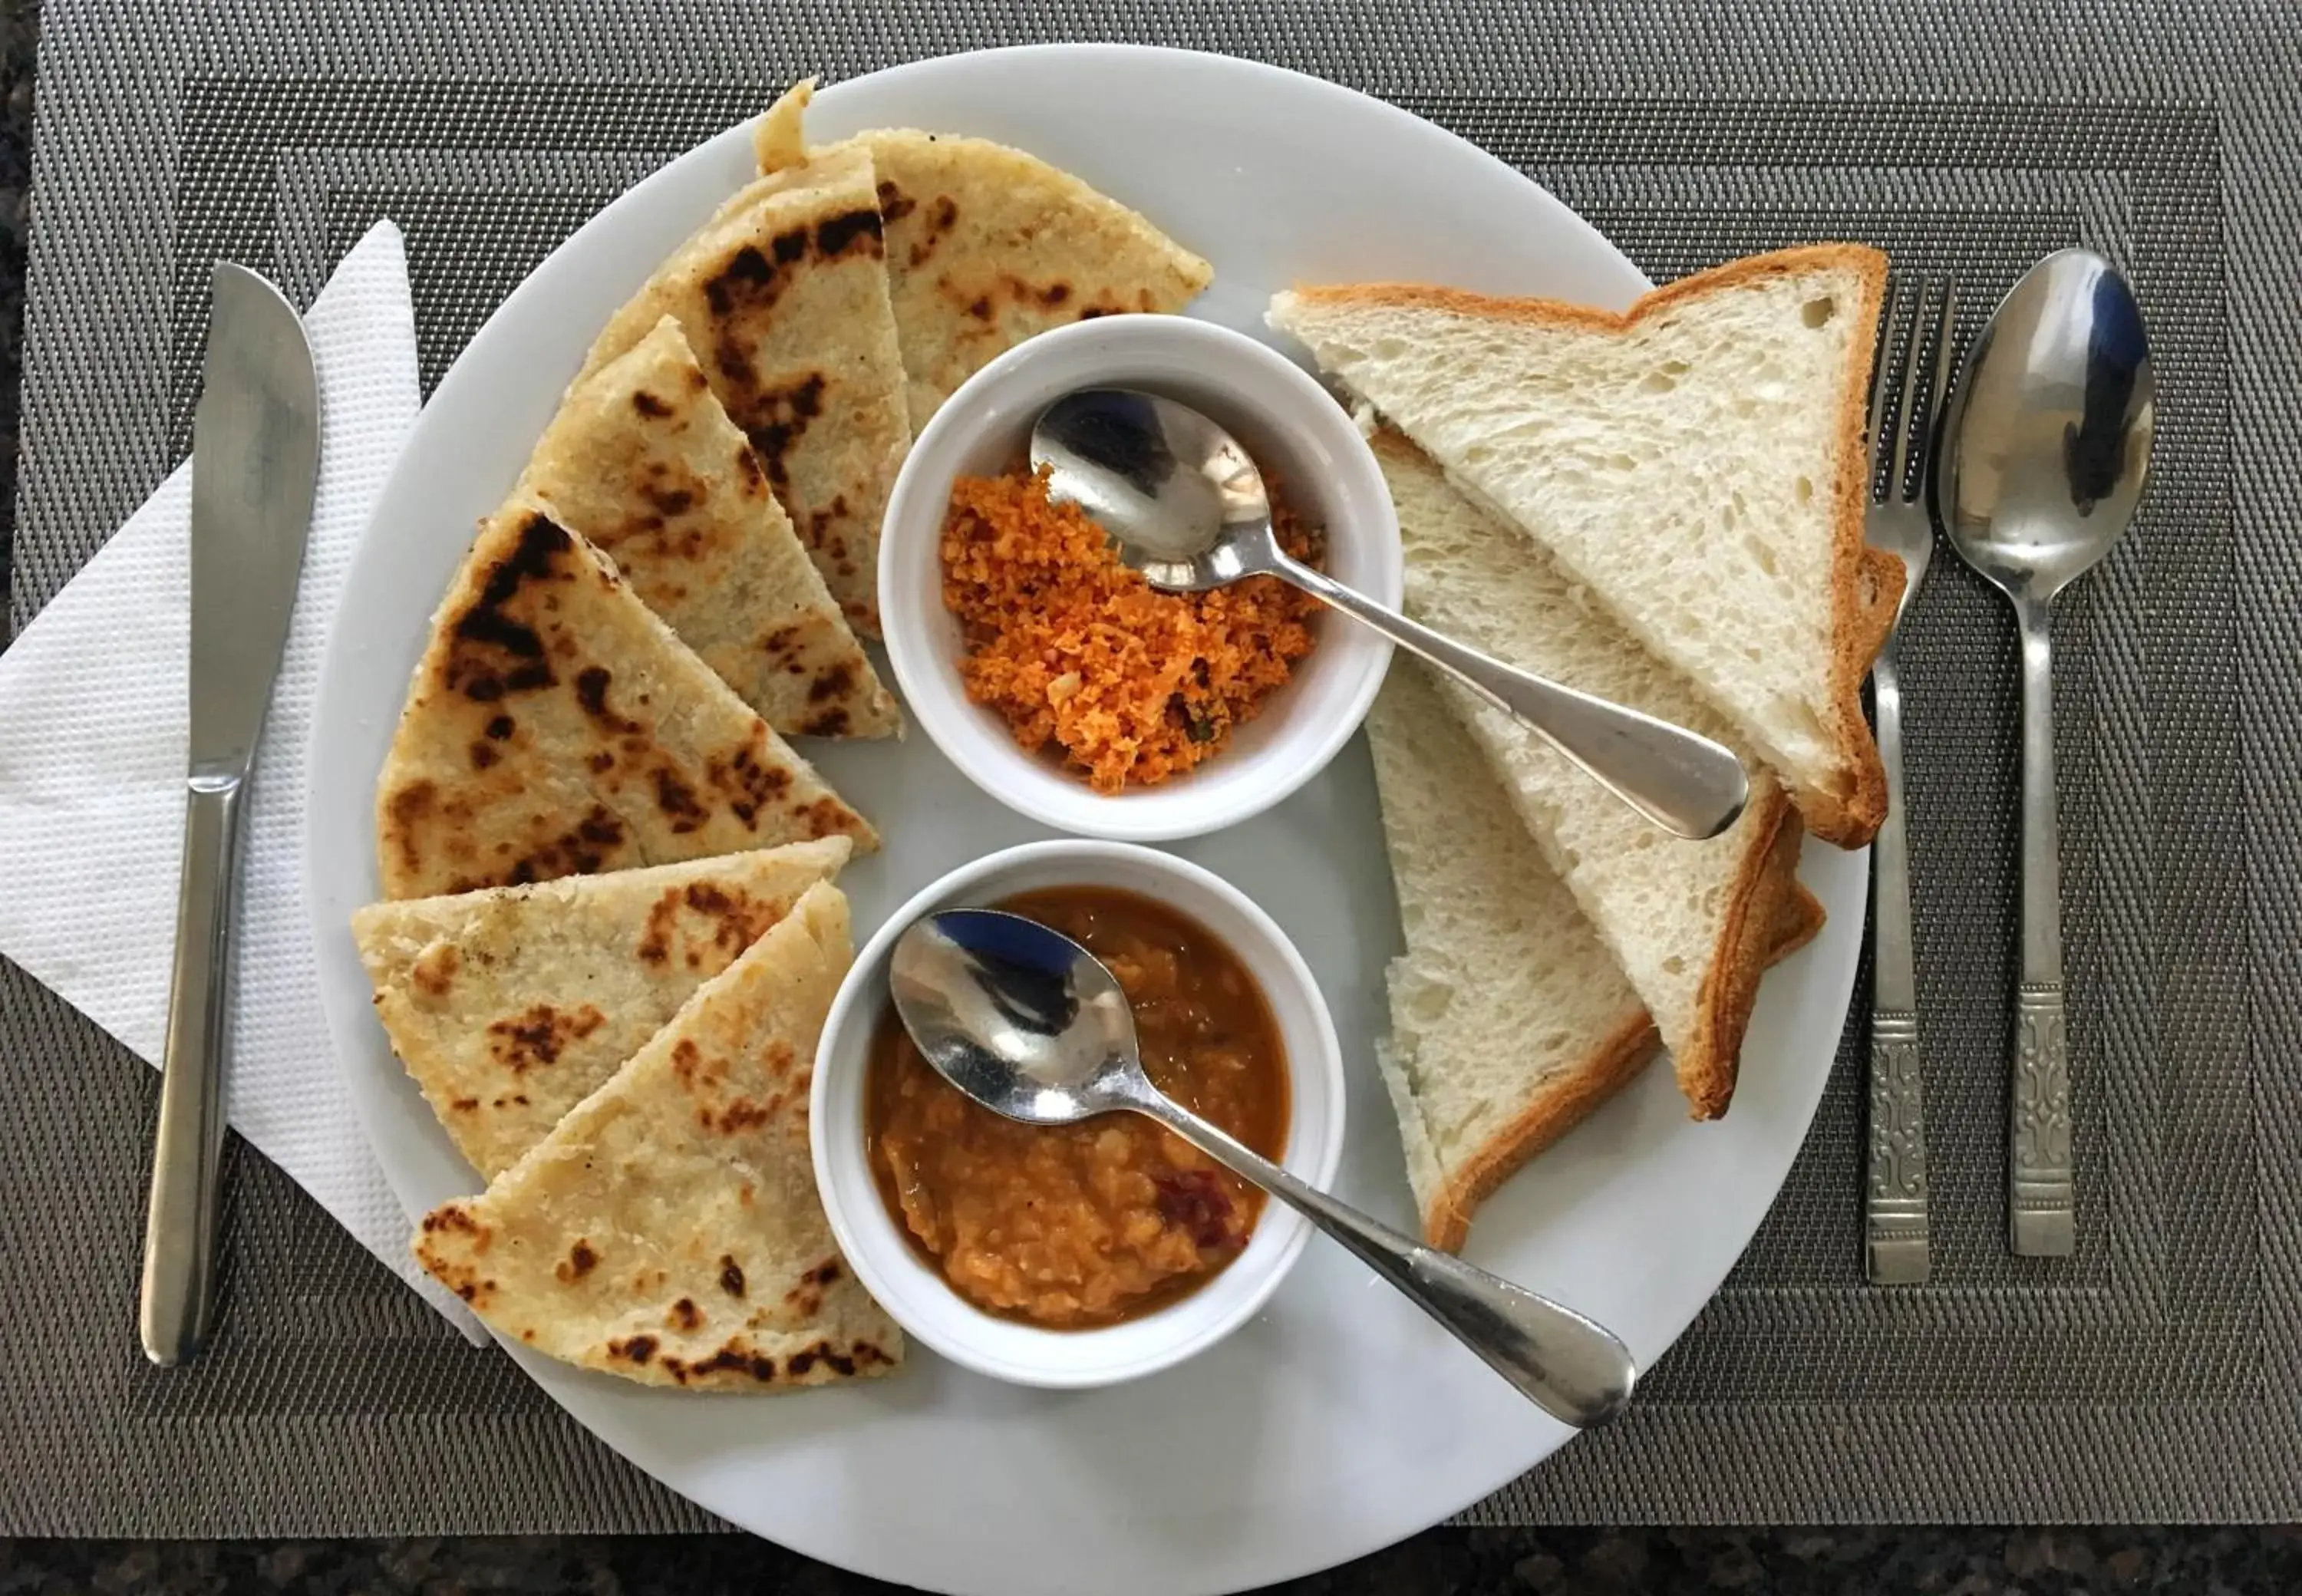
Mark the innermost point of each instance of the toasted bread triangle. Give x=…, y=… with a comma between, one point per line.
x=1697, y=462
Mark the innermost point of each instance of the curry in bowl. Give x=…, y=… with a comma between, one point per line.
x=1078, y=1226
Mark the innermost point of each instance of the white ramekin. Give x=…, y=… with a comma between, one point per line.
x=914, y=1293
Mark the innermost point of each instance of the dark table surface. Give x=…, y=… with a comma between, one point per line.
x=1654, y=1562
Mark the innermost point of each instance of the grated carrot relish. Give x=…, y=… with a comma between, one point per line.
x=1080, y=655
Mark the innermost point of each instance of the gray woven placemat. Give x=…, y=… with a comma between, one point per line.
x=2158, y=1375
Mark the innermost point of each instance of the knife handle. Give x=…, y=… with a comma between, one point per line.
x=179, y=1230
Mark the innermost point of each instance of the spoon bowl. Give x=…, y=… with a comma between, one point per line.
x=2047, y=438
x=1016, y=1015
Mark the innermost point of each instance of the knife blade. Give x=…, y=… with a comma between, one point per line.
x=255, y=451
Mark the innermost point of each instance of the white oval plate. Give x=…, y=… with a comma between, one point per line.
x=1339, y=1420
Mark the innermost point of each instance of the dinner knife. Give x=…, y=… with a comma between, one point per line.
x=256, y=454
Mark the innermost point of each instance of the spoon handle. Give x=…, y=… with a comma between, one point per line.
x=2041, y=1198
x=1683, y=783
x=1572, y=1368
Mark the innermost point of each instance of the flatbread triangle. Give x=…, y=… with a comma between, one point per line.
x=667, y=1229
x=642, y=457
x=509, y=1006
x=556, y=727
x=783, y=296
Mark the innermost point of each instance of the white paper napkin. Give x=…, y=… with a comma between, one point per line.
x=93, y=698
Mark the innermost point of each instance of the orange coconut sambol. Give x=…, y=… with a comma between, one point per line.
x=1082, y=656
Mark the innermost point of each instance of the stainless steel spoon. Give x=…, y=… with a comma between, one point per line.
x=2046, y=445
x=1031, y=1025
x=1186, y=506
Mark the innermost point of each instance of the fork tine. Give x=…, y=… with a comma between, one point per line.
x=1882, y=366
x=1911, y=350
x=1946, y=326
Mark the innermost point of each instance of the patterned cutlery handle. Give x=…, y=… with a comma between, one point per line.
x=1894, y=1189
x=1894, y=1214
x=2041, y=1198
x=2042, y=1202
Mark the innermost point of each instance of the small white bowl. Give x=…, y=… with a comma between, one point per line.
x=917, y=1297
x=1291, y=427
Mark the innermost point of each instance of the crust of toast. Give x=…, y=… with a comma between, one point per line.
x=1797, y=917
x=1746, y=946
x=1448, y=1221
x=1848, y=814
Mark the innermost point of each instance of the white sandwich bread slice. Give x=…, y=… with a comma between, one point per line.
x=1510, y=1020
x=667, y=1229
x=1691, y=923
x=511, y=1005
x=1697, y=462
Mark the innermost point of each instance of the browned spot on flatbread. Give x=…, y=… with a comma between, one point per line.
x=647, y=404
x=492, y=651
x=833, y=681
x=655, y=938
x=749, y=782
x=483, y=754
x=678, y=801
x=929, y=235
x=591, y=685
x=579, y=1262
x=537, y=1036
x=800, y=1362
x=826, y=817
x=685, y=1314
x=578, y=851
x=894, y=204
x=754, y=479
x=742, y=1115
x=669, y=502
x=775, y=419
x=409, y=808
x=434, y=969
x=731, y=1275
x=637, y=1349
x=455, y=1219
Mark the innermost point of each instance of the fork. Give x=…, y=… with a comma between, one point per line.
x=1902, y=437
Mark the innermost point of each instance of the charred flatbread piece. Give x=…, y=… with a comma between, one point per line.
x=988, y=245
x=645, y=460
x=510, y=1005
x=557, y=727
x=668, y=1230
x=783, y=296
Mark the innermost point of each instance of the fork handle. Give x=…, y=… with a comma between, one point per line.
x=1894, y=1189
x=2041, y=1197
